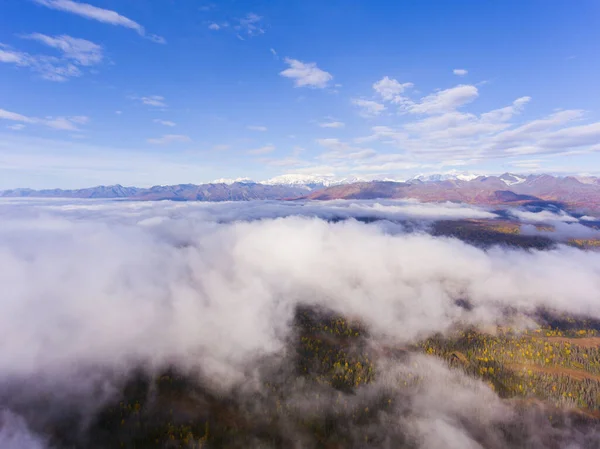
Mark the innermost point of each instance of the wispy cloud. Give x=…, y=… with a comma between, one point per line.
x=99, y=14
x=170, y=138
x=153, y=100
x=12, y=57
x=306, y=74
x=250, y=25
x=338, y=150
x=76, y=53
x=207, y=7
x=445, y=100
x=460, y=72
x=60, y=123
x=262, y=150
x=256, y=128
x=16, y=127
x=439, y=102
x=82, y=51
x=7, y=115
x=369, y=108
x=448, y=134
x=164, y=122
x=69, y=163
x=332, y=125
x=214, y=26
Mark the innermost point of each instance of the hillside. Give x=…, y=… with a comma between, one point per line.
x=483, y=190
x=551, y=375
x=237, y=191
x=574, y=193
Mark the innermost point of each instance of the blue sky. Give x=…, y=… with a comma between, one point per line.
x=166, y=92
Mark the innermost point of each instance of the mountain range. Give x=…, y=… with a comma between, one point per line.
x=578, y=193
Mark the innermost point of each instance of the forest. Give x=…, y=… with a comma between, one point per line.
x=325, y=391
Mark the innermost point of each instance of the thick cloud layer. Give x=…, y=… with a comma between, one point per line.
x=109, y=281
x=110, y=284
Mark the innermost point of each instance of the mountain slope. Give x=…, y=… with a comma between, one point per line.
x=481, y=190
x=237, y=191
x=576, y=193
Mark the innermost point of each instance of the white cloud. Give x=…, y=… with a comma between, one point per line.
x=256, y=128
x=339, y=150
x=13, y=57
x=214, y=26
x=170, y=138
x=448, y=134
x=335, y=144
x=262, y=150
x=250, y=25
x=332, y=125
x=118, y=112
x=504, y=114
x=80, y=119
x=445, y=100
x=60, y=123
x=221, y=147
x=273, y=52
x=154, y=100
x=7, y=115
x=306, y=74
x=49, y=67
x=390, y=89
x=75, y=53
x=99, y=14
x=164, y=122
x=231, y=290
x=82, y=51
x=355, y=155
x=460, y=72
x=219, y=283
x=369, y=108
x=16, y=127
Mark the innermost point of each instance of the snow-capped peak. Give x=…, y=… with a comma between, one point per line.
x=295, y=179
x=327, y=180
x=452, y=175
x=231, y=181
x=510, y=179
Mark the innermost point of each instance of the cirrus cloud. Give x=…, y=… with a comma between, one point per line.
x=100, y=15
x=170, y=138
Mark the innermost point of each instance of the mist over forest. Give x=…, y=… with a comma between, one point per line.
x=272, y=324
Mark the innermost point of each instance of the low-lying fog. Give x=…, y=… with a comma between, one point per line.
x=102, y=286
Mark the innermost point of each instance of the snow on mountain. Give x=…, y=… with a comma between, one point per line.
x=587, y=179
x=436, y=177
x=510, y=179
x=305, y=180
x=231, y=181
x=311, y=182
x=317, y=181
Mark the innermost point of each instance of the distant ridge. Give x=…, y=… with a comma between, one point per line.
x=575, y=192
x=236, y=191
x=484, y=190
